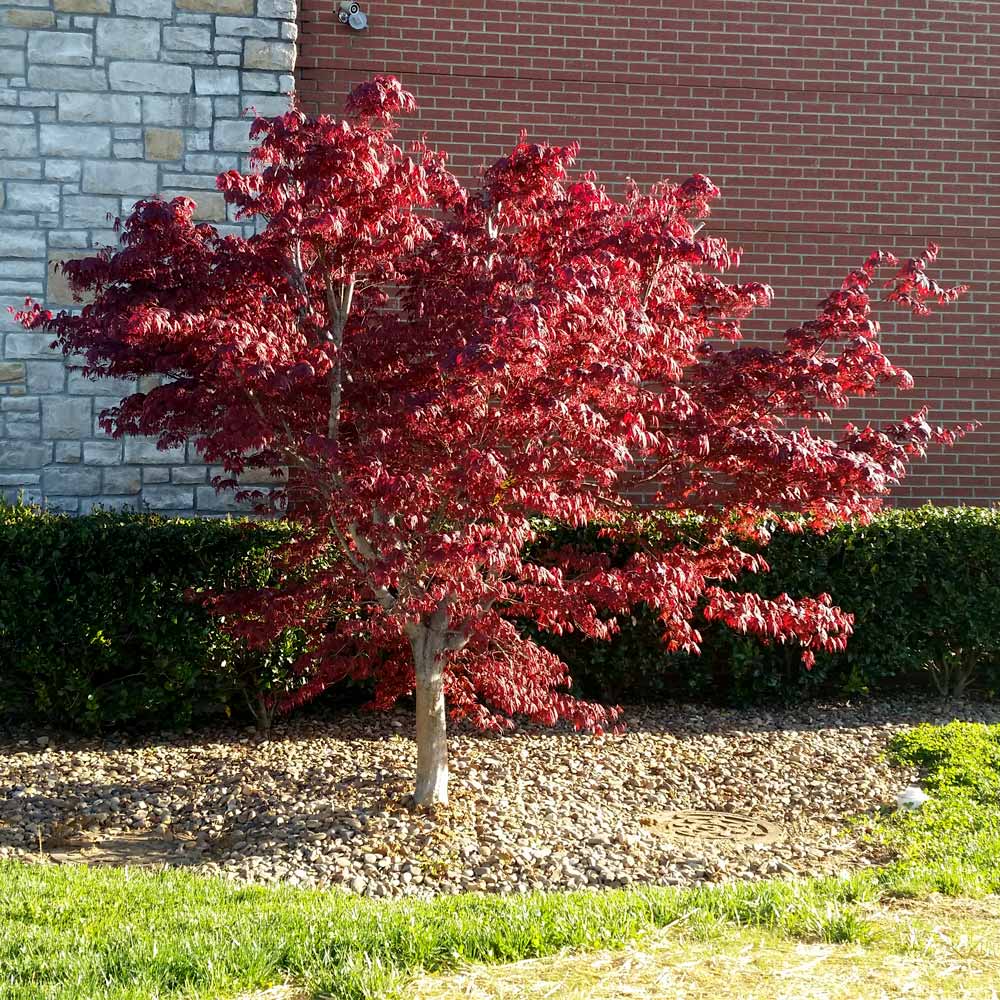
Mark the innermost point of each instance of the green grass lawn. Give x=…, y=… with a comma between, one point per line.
x=69, y=932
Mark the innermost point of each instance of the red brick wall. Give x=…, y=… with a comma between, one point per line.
x=832, y=129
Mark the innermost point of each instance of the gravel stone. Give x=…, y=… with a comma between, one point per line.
x=323, y=802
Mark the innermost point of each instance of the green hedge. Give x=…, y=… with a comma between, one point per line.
x=923, y=584
x=96, y=630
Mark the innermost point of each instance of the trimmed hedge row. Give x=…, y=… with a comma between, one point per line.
x=923, y=584
x=96, y=630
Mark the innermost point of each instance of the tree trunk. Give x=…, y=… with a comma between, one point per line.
x=432, y=721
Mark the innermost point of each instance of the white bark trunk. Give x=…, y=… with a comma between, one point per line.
x=432, y=724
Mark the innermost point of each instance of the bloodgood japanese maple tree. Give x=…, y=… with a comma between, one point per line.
x=441, y=368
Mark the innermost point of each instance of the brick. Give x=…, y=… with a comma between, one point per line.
x=46, y=377
x=164, y=144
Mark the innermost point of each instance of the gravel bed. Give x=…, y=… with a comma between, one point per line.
x=323, y=802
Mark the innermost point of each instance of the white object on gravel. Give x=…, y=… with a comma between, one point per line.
x=911, y=798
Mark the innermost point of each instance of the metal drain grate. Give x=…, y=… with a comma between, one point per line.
x=704, y=824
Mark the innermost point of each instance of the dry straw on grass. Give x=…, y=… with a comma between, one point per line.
x=921, y=952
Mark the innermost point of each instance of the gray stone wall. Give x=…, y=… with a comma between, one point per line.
x=103, y=102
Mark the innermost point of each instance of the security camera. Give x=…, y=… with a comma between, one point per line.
x=352, y=15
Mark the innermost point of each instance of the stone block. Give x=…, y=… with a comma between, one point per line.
x=74, y=140
x=169, y=110
x=124, y=480
x=29, y=345
x=20, y=478
x=143, y=451
x=216, y=6
x=74, y=481
x=287, y=9
x=37, y=99
x=169, y=497
x=188, y=474
x=265, y=82
x=66, y=417
x=155, y=474
x=266, y=105
x=91, y=107
x=232, y=135
x=83, y=6
x=66, y=171
x=207, y=499
x=65, y=48
x=187, y=39
x=119, y=178
x=18, y=141
x=11, y=62
x=150, y=77
x=246, y=27
x=90, y=504
x=67, y=78
x=12, y=371
x=216, y=81
x=258, y=54
x=164, y=144
x=58, y=291
x=145, y=8
x=46, y=377
x=67, y=452
x=210, y=206
x=102, y=452
x=21, y=405
x=128, y=38
x=89, y=211
x=24, y=454
x=21, y=243
x=29, y=18
x=26, y=197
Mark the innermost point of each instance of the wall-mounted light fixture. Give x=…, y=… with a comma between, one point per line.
x=352, y=15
